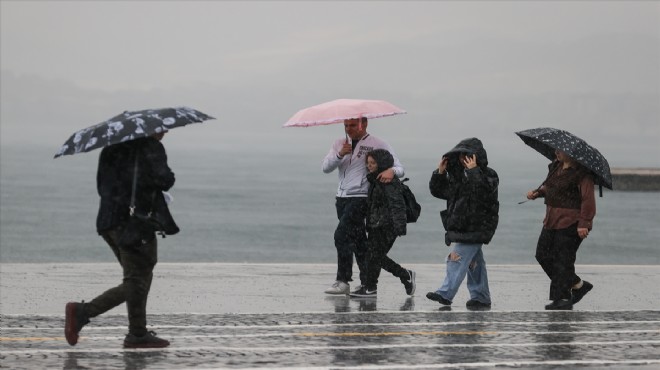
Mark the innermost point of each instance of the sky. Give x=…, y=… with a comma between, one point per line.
x=460, y=69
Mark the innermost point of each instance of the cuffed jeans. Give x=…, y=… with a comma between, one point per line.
x=379, y=243
x=470, y=262
x=351, y=237
x=556, y=252
x=137, y=265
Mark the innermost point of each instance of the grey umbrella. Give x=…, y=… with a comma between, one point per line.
x=130, y=126
x=546, y=140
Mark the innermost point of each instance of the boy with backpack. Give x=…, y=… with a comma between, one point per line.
x=386, y=220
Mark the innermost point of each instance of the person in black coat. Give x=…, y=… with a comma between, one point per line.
x=386, y=220
x=146, y=160
x=469, y=186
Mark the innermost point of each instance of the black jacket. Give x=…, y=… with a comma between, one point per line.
x=386, y=207
x=114, y=181
x=472, y=206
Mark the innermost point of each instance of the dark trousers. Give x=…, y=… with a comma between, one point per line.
x=137, y=265
x=379, y=243
x=555, y=252
x=351, y=237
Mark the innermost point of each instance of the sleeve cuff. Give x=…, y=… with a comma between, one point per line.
x=582, y=224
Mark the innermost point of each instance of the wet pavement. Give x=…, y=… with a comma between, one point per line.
x=239, y=323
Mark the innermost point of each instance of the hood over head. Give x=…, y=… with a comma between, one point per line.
x=383, y=158
x=469, y=146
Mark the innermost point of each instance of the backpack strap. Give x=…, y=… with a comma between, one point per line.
x=131, y=208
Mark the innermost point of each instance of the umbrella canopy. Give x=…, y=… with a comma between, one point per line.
x=337, y=111
x=130, y=126
x=546, y=140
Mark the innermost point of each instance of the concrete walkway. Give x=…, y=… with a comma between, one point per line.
x=271, y=288
x=276, y=316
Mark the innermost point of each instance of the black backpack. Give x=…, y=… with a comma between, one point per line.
x=413, y=209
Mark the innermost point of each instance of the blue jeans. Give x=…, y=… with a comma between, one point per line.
x=470, y=262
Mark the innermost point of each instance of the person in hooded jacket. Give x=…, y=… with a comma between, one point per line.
x=386, y=220
x=116, y=170
x=469, y=186
x=570, y=209
x=348, y=158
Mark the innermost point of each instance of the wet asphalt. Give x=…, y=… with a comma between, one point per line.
x=245, y=326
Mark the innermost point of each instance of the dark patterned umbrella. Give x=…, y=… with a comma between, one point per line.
x=546, y=140
x=130, y=126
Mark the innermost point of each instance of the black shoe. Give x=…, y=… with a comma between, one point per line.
x=473, y=304
x=438, y=298
x=579, y=293
x=75, y=318
x=364, y=292
x=149, y=340
x=409, y=282
x=560, y=304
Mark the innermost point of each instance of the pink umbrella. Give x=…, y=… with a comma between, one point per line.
x=337, y=111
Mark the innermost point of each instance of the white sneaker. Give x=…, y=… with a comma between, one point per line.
x=339, y=287
x=357, y=289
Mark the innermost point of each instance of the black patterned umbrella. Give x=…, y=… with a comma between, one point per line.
x=546, y=140
x=130, y=126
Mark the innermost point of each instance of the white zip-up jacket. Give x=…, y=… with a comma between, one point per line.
x=353, y=168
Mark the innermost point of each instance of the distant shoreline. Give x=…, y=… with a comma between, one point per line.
x=636, y=179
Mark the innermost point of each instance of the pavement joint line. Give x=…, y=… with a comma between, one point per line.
x=308, y=334
x=438, y=323
x=332, y=348
x=627, y=331
x=435, y=311
x=490, y=364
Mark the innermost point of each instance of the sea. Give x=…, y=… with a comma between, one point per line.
x=246, y=205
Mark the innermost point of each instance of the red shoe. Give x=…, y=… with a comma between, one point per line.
x=74, y=320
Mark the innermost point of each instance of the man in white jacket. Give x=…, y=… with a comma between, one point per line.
x=349, y=157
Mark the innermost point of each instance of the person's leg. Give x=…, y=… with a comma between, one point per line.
x=342, y=242
x=112, y=297
x=567, y=243
x=477, y=278
x=545, y=254
x=137, y=264
x=407, y=277
x=389, y=264
x=360, y=235
x=138, y=273
x=458, y=262
x=350, y=236
x=378, y=243
x=77, y=315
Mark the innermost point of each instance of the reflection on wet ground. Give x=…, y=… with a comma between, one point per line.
x=356, y=335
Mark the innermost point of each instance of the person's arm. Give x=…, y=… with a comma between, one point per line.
x=396, y=169
x=160, y=175
x=332, y=159
x=439, y=185
x=587, y=206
